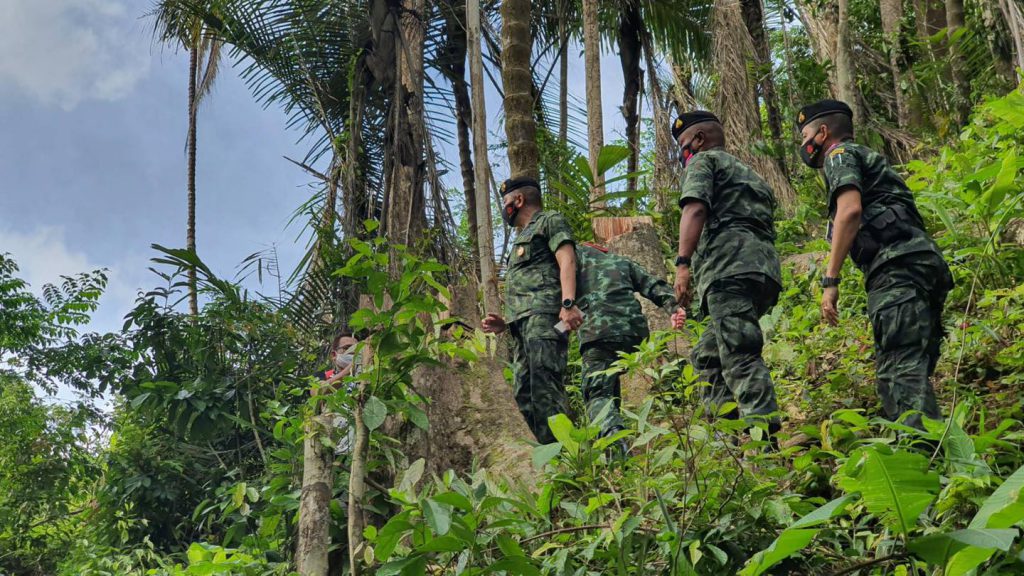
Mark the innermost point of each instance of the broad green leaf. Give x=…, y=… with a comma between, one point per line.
x=1004, y=507
x=824, y=513
x=419, y=418
x=443, y=544
x=412, y=476
x=788, y=543
x=438, y=516
x=514, y=565
x=374, y=413
x=939, y=549
x=562, y=428
x=896, y=487
x=609, y=156
x=456, y=500
x=544, y=453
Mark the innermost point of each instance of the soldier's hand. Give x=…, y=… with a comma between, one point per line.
x=493, y=324
x=830, y=305
x=572, y=317
x=682, y=286
x=679, y=319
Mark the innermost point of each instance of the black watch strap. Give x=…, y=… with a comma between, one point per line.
x=830, y=281
x=682, y=260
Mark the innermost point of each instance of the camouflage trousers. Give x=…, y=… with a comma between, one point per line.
x=603, y=392
x=539, y=356
x=728, y=354
x=905, y=300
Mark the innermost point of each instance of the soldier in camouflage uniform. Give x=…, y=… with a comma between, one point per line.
x=873, y=218
x=613, y=323
x=540, y=292
x=727, y=236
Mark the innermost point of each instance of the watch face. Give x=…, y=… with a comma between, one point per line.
x=568, y=303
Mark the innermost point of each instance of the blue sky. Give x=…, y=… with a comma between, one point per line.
x=92, y=162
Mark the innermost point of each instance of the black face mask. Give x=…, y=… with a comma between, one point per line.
x=810, y=152
x=687, y=154
x=509, y=213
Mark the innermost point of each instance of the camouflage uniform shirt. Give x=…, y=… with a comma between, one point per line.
x=850, y=164
x=606, y=284
x=532, y=283
x=739, y=234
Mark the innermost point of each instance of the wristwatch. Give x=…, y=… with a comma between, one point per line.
x=829, y=281
x=682, y=260
x=568, y=303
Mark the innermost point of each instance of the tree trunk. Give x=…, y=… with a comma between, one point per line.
x=997, y=36
x=314, y=535
x=592, y=69
x=664, y=178
x=190, y=232
x=958, y=66
x=742, y=122
x=406, y=207
x=753, y=18
x=845, y=70
x=563, y=73
x=1014, y=16
x=357, y=487
x=892, y=16
x=455, y=54
x=485, y=230
x=520, y=125
x=682, y=94
x=630, y=28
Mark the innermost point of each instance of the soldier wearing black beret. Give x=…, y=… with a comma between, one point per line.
x=874, y=220
x=540, y=292
x=727, y=237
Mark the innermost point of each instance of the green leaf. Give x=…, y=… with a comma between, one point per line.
x=419, y=418
x=545, y=453
x=940, y=549
x=513, y=565
x=609, y=156
x=412, y=476
x=456, y=500
x=1004, y=507
x=374, y=413
x=438, y=516
x=788, y=543
x=895, y=487
x=562, y=428
x=443, y=544
x=824, y=513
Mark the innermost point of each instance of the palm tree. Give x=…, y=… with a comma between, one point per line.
x=520, y=125
x=592, y=67
x=176, y=24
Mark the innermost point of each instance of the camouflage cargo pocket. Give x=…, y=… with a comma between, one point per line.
x=735, y=322
x=899, y=318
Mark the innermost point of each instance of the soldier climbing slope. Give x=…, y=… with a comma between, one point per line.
x=613, y=323
x=540, y=292
x=873, y=218
x=727, y=235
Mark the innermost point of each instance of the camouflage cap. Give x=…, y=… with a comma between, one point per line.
x=688, y=119
x=515, y=183
x=821, y=108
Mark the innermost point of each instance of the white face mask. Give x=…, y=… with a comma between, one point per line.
x=343, y=360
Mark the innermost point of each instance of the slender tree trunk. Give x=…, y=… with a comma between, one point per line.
x=958, y=67
x=190, y=234
x=520, y=124
x=892, y=15
x=455, y=53
x=630, y=28
x=485, y=230
x=357, y=488
x=753, y=18
x=563, y=88
x=592, y=68
x=314, y=535
x=664, y=148
x=682, y=95
x=742, y=122
x=845, y=70
x=406, y=209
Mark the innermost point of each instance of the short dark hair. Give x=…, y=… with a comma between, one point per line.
x=342, y=334
x=531, y=195
x=839, y=124
x=713, y=131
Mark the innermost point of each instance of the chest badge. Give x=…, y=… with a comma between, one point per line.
x=520, y=251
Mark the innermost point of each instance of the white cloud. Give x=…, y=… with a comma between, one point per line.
x=63, y=52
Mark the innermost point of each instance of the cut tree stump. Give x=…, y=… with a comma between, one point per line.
x=608, y=227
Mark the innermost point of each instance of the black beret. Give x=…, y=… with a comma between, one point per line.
x=821, y=108
x=516, y=183
x=688, y=119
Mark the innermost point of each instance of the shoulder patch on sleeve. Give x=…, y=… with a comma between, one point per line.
x=837, y=150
